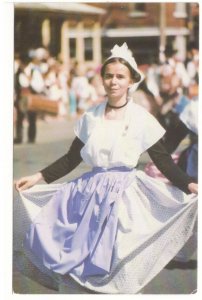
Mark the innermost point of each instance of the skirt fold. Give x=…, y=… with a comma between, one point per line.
x=112, y=231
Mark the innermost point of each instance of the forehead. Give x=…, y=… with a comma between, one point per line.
x=117, y=67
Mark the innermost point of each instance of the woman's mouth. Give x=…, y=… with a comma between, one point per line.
x=113, y=90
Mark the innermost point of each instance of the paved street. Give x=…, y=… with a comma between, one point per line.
x=53, y=140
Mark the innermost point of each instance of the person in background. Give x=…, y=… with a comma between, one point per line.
x=72, y=95
x=22, y=91
x=186, y=124
x=192, y=66
x=34, y=70
x=80, y=86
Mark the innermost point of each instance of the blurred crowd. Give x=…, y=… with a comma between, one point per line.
x=73, y=89
x=168, y=87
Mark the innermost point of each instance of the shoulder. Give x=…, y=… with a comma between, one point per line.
x=144, y=119
x=139, y=111
x=190, y=109
x=92, y=114
x=95, y=110
x=189, y=116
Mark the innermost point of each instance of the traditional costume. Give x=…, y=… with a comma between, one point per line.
x=114, y=228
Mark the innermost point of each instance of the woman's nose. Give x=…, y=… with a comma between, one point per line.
x=113, y=80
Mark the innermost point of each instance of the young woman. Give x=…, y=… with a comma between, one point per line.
x=114, y=228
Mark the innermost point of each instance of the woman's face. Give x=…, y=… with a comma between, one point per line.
x=116, y=80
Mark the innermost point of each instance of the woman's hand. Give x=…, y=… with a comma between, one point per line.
x=27, y=182
x=193, y=187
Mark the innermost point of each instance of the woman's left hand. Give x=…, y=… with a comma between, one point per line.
x=193, y=187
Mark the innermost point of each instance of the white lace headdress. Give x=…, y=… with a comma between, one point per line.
x=126, y=54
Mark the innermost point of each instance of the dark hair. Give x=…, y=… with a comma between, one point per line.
x=134, y=75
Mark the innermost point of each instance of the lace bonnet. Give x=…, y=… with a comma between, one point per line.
x=126, y=54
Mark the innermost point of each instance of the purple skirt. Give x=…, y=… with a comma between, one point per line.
x=111, y=230
x=76, y=230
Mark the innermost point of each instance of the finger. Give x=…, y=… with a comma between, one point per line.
x=195, y=191
x=25, y=186
x=17, y=185
x=21, y=185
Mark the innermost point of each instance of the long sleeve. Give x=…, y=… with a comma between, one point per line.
x=175, y=135
x=166, y=165
x=64, y=164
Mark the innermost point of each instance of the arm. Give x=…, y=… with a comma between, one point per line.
x=170, y=170
x=56, y=170
x=175, y=135
x=65, y=164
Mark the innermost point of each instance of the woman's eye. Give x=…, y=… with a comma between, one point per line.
x=108, y=76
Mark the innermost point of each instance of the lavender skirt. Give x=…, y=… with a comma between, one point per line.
x=111, y=230
x=77, y=228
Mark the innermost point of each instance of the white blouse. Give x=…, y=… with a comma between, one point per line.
x=113, y=143
x=189, y=116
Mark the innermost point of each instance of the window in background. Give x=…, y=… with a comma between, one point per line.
x=137, y=10
x=88, y=42
x=72, y=47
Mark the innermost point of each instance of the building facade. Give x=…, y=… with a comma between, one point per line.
x=149, y=27
x=67, y=30
x=86, y=32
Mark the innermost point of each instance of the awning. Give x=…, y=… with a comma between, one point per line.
x=60, y=7
x=143, y=32
x=130, y=32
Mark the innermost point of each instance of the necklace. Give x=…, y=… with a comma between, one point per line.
x=117, y=107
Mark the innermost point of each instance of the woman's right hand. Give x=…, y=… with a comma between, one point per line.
x=27, y=182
